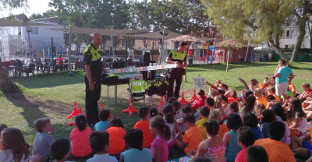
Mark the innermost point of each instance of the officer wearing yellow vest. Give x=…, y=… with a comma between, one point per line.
x=175, y=74
x=93, y=67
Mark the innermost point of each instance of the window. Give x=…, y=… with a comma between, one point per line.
x=282, y=34
x=286, y=46
x=287, y=34
x=34, y=30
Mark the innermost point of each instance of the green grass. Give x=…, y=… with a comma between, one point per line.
x=53, y=95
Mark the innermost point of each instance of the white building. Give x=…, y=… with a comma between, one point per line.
x=17, y=41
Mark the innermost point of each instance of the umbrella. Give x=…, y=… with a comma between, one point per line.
x=228, y=44
x=185, y=38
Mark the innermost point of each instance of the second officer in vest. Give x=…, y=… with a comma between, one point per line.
x=93, y=67
x=175, y=74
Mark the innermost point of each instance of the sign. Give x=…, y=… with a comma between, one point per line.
x=199, y=83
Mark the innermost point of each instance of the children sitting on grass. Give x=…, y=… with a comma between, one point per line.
x=268, y=116
x=159, y=146
x=79, y=138
x=246, y=138
x=60, y=150
x=217, y=115
x=99, y=142
x=193, y=136
x=116, y=137
x=136, y=152
x=260, y=99
x=43, y=138
x=307, y=92
x=251, y=121
x=201, y=101
x=230, y=138
x=271, y=91
x=276, y=150
x=143, y=125
x=204, y=114
x=102, y=125
x=297, y=118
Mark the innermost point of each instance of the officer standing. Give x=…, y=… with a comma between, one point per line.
x=175, y=74
x=93, y=67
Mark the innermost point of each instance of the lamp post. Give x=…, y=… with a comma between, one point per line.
x=29, y=46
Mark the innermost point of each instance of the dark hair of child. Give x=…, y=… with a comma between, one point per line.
x=40, y=123
x=256, y=154
x=189, y=118
x=81, y=122
x=221, y=91
x=247, y=93
x=268, y=116
x=143, y=111
x=60, y=148
x=212, y=127
x=204, y=111
x=305, y=85
x=153, y=112
x=159, y=123
x=171, y=99
x=246, y=136
x=168, y=112
x=224, y=98
x=98, y=139
x=186, y=109
x=250, y=120
x=297, y=108
x=270, y=97
x=277, y=130
x=115, y=122
x=210, y=101
x=279, y=111
x=176, y=105
x=201, y=159
x=104, y=114
x=234, y=106
x=134, y=139
x=234, y=122
x=250, y=103
x=260, y=106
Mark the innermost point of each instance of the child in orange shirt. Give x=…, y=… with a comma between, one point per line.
x=204, y=114
x=143, y=125
x=260, y=99
x=232, y=96
x=116, y=134
x=265, y=83
x=307, y=92
x=271, y=91
x=216, y=114
x=193, y=136
x=291, y=88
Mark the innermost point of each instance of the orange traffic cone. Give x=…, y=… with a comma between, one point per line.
x=74, y=112
x=194, y=96
x=183, y=101
x=130, y=109
x=70, y=124
x=101, y=108
x=80, y=110
x=161, y=102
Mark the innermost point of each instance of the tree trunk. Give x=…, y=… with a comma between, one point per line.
x=301, y=21
x=6, y=84
x=277, y=50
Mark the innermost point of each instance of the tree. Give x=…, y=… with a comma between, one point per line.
x=235, y=18
x=49, y=13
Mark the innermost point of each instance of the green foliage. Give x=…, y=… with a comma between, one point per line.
x=13, y=3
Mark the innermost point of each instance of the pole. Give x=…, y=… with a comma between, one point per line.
x=228, y=57
x=69, y=50
x=162, y=46
x=52, y=55
x=29, y=46
x=126, y=52
x=247, y=51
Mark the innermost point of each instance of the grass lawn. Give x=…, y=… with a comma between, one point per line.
x=53, y=95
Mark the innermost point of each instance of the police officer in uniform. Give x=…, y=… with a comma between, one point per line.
x=175, y=74
x=93, y=67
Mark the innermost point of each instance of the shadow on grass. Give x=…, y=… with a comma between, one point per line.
x=50, y=80
x=20, y=101
x=222, y=66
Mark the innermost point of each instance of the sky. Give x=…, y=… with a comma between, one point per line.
x=34, y=6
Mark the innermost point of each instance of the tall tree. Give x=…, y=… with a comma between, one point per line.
x=234, y=18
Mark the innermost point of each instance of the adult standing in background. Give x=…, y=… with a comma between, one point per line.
x=281, y=74
x=175, y=74
x=93, y=67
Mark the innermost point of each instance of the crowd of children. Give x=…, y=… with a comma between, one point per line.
x=258, y=125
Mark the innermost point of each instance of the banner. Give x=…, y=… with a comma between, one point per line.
x=199, y=83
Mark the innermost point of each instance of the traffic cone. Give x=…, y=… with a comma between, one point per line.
x=161, y=102
x=194, y=96
x=80, y=110
x=70, y=124
x=130, y=109
x=183, y=101
x=74, y=112
x=101, y=108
